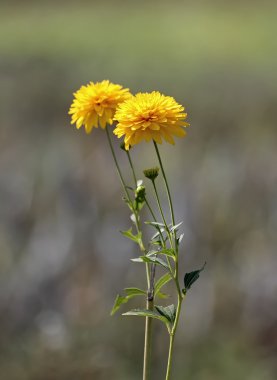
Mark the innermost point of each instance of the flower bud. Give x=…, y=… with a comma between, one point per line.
x=140, y=194
x=151, y=173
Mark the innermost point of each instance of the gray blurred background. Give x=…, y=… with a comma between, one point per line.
x=62, y=259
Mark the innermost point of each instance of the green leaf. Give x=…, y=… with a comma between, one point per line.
x=180, y=238
x=157, y=234
x=162, y=295
x=147, y=313
x=161, y=282
x=157, y=242
x=138, y=260
x=135, y=292
x=151, y=259
x=130, y=235
x=167, y=252
x=191, y=277
x=169, y=312
x=118, y=302
x=173, y=228
x=130, y=293
x=155, y=224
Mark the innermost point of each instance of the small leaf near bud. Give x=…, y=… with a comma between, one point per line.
x=151, y=173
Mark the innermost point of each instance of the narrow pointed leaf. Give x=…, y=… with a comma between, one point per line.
x=138, y=260
x=173, y=228
x=157, y=234
x=130, y=235
x=151, y=259
x=130, y=293
x=147, y=313
x=166, y=252
x=161, y=282
x=156, y=224
x=162, y=295
x=135, y=292
x=118, y=302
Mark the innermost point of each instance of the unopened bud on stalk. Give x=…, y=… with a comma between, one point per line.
x=151, y=173
x=140, y=194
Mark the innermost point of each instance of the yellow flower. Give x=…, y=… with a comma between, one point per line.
x=150, y=116
x=96, y=103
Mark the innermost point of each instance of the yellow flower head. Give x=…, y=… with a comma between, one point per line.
x=150, y=116
x=95, y=104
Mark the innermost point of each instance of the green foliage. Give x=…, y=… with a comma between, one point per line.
x=167, y=252
x=161, y=295
x=151, y=259
x=155, y=224
x=162, y=281
x=118, y=302
x=134, y=292
x=169, y=312
x=147, y=313
x=175, y=227
x=130, y=293
x=129, y=234
x=191, y=277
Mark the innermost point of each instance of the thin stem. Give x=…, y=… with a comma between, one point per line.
x=150, y=280
x=117, y=166
x=169, y=360
x=132, y=167
x=180, y=296
x=172, y=337
x=161, y=212
x=168, y=192
x=148, y=342
x=137, y=223
x=165, y=226
x=155, y=220
x=166, y=183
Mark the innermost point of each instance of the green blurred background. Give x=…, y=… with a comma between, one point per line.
x=62, y=260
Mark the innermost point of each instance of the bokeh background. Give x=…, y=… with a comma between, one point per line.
x=62, y=259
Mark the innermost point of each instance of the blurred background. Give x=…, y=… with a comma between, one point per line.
x=62, y=258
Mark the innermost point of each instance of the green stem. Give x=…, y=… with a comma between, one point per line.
x=180, y=296
x=148, y=342
x=168, y=193
x=155, y=220
x=150, y=301
x=172, y=337
x=137, y=223
x=117, y=166
x=169, y=360
x=132, y=167
x=162, y=214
